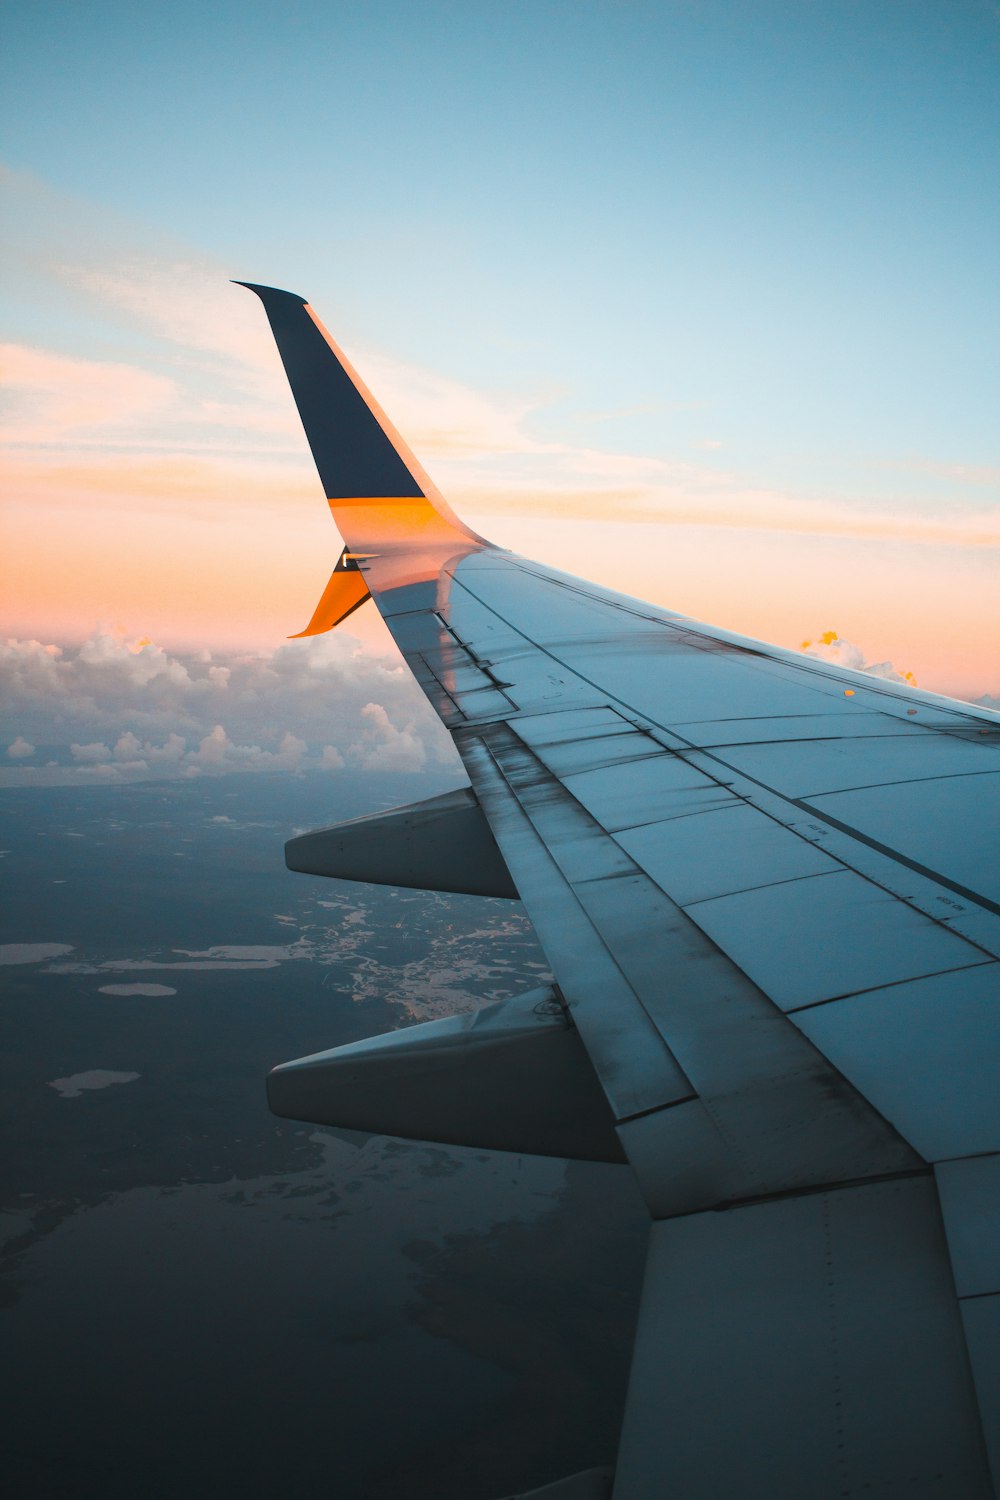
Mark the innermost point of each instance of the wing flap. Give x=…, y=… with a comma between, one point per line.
x=925, y=1053
x=778, y=1115
x=817, y=1340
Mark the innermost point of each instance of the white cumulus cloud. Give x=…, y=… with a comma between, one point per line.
x=95, y=1078
x=833, y=648
x=122, y=709
x=90, y=754
x=384, y=747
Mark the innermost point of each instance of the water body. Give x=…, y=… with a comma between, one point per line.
x=200, y=1299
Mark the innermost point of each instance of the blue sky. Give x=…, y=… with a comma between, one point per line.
x=773, y=208
x=756, y=239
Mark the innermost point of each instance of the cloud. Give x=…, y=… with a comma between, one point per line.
x=194, y=307
x=191, y=304
x=90, y=754
x=987, y=475
x=216, y=753
x=181, y=484
x=52, y=396
x=20, y=748
x=631, y=489
x=32, y=953
x=832, y=648
x=95, y=1078
x=118, y=709
x=383, y=747
x=444, y=416
x=127, y=748
x=137, y=661
x=152, y=990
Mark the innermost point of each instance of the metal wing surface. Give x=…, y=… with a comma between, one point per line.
x=769, y=889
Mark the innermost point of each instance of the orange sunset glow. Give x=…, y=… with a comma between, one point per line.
x=176, y=498
x=246, y=573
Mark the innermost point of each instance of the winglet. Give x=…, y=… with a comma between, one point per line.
x=346, y=592
x=377, y=490
x=356, y=457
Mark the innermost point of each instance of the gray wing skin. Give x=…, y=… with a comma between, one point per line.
x=769, y=889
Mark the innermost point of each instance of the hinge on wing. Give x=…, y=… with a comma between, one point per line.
x=554, y=1004
x=467, y=649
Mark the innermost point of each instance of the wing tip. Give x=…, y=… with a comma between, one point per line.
x=264, y=292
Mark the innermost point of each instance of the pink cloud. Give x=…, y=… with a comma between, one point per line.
x=54, y=395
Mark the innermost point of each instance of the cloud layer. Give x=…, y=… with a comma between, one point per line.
x=114, y=710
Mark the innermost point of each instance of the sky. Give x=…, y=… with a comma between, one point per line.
x=698, y=299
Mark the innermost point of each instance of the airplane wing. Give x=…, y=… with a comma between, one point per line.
x=769, y=890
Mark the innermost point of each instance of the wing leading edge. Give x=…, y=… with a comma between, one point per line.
x=768, y=890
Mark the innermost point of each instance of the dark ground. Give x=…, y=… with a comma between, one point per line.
x=202, y=1300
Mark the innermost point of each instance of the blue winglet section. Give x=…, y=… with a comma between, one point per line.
x=355, y=455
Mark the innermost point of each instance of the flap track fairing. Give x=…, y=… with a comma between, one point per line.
x=443, y=844
x=511, y=1077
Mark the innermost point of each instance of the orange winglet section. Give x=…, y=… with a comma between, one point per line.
x=346, y=592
